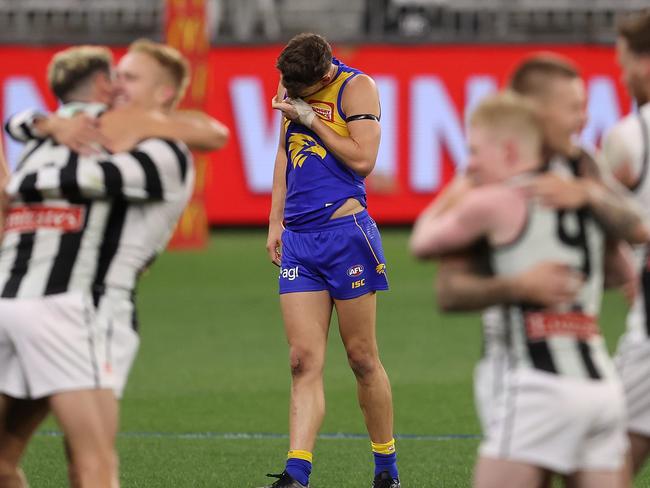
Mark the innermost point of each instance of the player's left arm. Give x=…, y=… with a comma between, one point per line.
x=359, y=150
x=609, y=202
x=126, y=127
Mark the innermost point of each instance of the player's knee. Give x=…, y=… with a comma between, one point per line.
x=364, y=363
x=302, y=361
x=91, y=466
x=10, y=474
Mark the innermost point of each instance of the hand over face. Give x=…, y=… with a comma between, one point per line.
x=295, y=109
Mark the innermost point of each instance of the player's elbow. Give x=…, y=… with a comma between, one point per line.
x=421, y=248
x=640, y=234
x=415, y=248
x=447, y=297
x=222, y=136
x=363, y=167
x=219, y=135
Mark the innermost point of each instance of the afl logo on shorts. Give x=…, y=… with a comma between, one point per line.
x=356, y=270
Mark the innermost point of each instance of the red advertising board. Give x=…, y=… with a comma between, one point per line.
x=425, y=93
x=186, y=31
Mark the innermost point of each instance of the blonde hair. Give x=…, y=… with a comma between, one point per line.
x=510, y=114
x=70, y=68
x=171, y=60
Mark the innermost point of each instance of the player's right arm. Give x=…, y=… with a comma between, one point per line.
x=609, y=202
x=126, y=127
x=278, y=195
x=120, y=130
x=463, y=284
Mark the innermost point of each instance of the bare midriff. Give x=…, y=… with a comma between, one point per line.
x=350, y=207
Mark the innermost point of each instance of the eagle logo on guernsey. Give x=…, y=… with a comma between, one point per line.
x=356, y=270
x=301, y=146
x=381, y=268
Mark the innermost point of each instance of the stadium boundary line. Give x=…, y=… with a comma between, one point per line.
x=271, y=435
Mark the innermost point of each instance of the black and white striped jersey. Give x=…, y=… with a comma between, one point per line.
x=632, y=135
x=89, y=223
x=567, y=340
x=20, y=126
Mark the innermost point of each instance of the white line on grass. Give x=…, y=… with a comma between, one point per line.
x=271, y=435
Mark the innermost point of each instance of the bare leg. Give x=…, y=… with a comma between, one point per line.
x=80, y=416
x=357, y=319
x=109, y=411
x=501, y=473
x=306, y=320
x=595, y=479
x=639, y=451
x=18, y=421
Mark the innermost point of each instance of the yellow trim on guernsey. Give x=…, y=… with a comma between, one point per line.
x=379, y=263
x=297, y=454
x=387, y=448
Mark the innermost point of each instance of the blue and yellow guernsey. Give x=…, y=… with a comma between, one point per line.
x=317, y=182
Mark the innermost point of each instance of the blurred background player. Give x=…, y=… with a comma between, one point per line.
x=463, y=282
x=141, y=195
x=327, y=246
x=141, y=81
x=626, y=151
x=561, y=407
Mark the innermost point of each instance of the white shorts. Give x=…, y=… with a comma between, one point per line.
x=633, y=363
x=115, y=314
x=559, y=423
x=489, y=375
x=59, y=343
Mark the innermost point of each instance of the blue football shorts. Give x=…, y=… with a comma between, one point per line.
x=344, y=257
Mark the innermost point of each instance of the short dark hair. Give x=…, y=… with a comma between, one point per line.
x=635, y=29
x=71, y=68
x=304, y=61
x=532, y=75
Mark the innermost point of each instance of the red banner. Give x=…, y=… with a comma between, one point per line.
x=425, y=92
x=186, y=31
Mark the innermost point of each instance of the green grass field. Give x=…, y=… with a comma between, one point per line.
x=213, y=361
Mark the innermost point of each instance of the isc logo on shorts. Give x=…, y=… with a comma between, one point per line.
x=289, y=273
x=356, y=270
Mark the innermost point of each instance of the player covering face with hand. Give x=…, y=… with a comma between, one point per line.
x=327, y=246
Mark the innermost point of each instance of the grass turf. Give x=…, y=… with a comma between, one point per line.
x=213, y=359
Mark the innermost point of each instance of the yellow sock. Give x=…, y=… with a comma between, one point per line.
x=298, y=454
x=386, y=448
